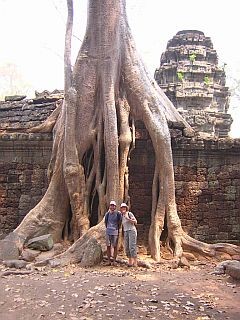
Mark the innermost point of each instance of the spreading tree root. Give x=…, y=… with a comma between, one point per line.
x=48, y=125
x=215, y=250
x=107, y=91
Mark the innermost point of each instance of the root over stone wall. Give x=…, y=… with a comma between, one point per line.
x=207, y=177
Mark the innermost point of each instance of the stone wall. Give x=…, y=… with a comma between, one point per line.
x=24, y=157
x=24, y=160
x=21, y=115
x=207, y=174
x=190, y=76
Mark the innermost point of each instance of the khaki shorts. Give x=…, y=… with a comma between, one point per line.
x=111, y=240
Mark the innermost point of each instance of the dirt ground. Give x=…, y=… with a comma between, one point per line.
x=120, y=292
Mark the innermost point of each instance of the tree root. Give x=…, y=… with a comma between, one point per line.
x=16, y=272
x=48, y=125
x=107, y=90
x=209, y=250
x=87, y=250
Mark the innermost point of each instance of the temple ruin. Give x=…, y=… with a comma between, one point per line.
x=190, y=76
x=207, y=166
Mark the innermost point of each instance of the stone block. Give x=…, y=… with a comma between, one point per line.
x=223, y=236
x=206, y=198
x=42, y=243
x=223, y=175
x=236, y=228
x=92, y=254
x=3, y=178
x=29, y=254
x=201, y=178
x=236, y=182
x=225, y=183
x=233, y=269
x=213, y=184
x=230, y=189
x=8, y=250
x=230, y=196
x=18, y=264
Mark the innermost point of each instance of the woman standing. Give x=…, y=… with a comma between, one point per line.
x=130, y=234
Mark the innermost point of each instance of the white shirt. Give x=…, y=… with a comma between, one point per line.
x=127, y=225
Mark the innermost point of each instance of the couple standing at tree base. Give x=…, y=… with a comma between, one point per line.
x=113, y=221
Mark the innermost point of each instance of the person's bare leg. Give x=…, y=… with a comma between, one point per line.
x=135, y=261
x=115, y=254
x=130, y=261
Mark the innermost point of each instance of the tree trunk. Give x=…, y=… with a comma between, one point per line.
x=105, y=93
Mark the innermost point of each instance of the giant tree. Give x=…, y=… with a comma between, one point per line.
x=107, y=90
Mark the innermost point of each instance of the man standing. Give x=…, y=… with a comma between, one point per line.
x=113, y=219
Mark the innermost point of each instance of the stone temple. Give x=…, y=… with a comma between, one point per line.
x=190, y=76
x=206, y=166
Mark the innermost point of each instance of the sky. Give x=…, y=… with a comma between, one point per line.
x=32, y=34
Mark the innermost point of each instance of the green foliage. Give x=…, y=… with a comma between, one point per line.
x=192, y=57
x=180, y=76
x=206, y=80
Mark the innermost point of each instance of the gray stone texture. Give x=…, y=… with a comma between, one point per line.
x=17, y=264
x=207, y=181
x=233, y=269
x=92, y=254
x=230, y=267
x=8, y=250
x=190, y=76
x=207, y=176
x=41, y=243
x=29, y=254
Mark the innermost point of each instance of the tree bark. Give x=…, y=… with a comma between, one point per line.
x=105, y=93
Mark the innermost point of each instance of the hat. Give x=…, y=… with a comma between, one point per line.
x=123, y=205
x=113, y=203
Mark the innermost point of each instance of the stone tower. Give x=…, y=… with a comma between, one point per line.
x=191, y=78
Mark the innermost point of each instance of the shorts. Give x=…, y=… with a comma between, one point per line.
x=111, y=240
